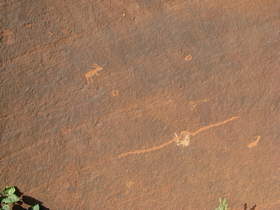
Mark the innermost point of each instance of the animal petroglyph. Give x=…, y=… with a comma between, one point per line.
x=254, y=143
x=95, y=69
x=183, y=139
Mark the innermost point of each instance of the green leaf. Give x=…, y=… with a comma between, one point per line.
x=9, y=191
x=36, y=207
x=5, y=207
x=10, y=199
x=223, y=204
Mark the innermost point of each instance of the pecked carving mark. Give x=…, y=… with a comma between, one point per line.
x=141, y=151
x=95, y=69
x=182, y=140
x=115, y=93
x=213, y=125
x=7, y=36
x=188, y=58
x=254, y=143
x=194, y=104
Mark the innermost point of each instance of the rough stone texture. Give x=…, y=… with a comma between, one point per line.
x=84, y=81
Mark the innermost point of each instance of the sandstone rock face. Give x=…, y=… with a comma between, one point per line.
x=141, y=104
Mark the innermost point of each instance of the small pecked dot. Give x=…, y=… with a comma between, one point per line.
x=188, y=58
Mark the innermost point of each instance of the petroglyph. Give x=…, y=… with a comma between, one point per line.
x=28, y=25
x=115, y=93
x=182, y=140
x=194, y=104
x=7, y=36
x=95, y=69
x=188, y=58
x=254, y=143
x=129, y=184
x=213, y=125
x=137, y=152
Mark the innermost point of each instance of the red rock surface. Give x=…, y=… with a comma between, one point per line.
x=93, y=92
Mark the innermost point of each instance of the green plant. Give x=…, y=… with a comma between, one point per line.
x=9, y=198
x=223, y=205
x=36, y=207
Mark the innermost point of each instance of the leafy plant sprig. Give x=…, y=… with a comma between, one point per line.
x=9, y=198
x=223, y=204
